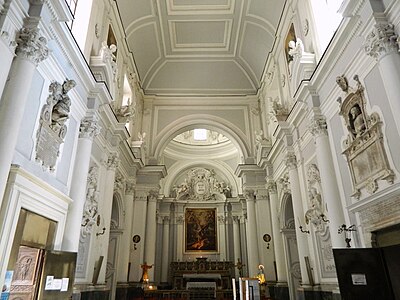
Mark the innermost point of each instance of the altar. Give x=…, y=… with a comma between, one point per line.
x=186, y=274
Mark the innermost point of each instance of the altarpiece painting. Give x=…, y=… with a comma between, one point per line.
x=200, y=230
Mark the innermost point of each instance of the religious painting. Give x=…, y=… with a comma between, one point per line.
x=200, y=230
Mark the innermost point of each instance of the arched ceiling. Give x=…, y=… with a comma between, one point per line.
x=200, y=47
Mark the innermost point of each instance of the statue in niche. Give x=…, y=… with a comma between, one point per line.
x=315, y=212
x=357, y=122
x=364, y=145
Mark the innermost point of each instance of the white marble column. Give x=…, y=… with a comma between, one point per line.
x=236, y=243
x=87, y=131
x=151, y=227
x=108, y=197
x=277, y=238
x=138, y=228
x=126, y=238
x=7, y=51
x=251, y=230
x=302, y=242
x=222, y=236
x=31, y=50
x=330, y=190
x=381, y=44
x=165, y=250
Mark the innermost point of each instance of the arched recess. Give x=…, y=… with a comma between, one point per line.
x=117, y=212
x=220, y=167
x=286, y=212
x=231, y=131
x=288, y=229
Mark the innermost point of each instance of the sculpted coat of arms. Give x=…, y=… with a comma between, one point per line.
x=202, y=185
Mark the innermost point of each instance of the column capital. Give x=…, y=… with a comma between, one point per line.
x=153, y=195
x=291, y=161
x=30, y=45
x=318, y=126
x=166, y=220
x=249, y=194
x=129, y=187
x=271, y=187
x=89, y=127
x=112, y=161
x=236, y=219
x=381, y=41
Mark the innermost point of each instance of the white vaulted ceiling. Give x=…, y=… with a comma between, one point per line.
x=200, y=47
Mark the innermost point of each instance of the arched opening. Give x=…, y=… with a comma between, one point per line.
x=290, y=245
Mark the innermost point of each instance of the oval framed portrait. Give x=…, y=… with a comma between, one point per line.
x=136, y=238
x=266, y=238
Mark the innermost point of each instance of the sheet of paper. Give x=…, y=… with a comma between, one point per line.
x=64, y=285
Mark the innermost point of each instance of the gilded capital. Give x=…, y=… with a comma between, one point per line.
x=381, y=41
x=31, y=46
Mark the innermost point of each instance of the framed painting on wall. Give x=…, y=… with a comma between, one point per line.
x=200, y=230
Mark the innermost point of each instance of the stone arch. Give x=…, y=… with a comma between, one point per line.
x=231, y=131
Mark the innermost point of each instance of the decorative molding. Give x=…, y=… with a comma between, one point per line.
x=284, y=183
x=381, y=41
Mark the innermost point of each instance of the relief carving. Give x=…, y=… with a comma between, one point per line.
x=202, y=185
x=52, y=129
x=364, y=145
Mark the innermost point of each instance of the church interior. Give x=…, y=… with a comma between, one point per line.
x=200, y=149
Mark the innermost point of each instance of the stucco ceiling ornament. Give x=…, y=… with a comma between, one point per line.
x=364, y=145
x=201, y=184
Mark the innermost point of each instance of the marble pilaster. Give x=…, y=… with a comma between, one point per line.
x=277, y=239
x=330, y=190
x=165, y=249
x=251, y=230
x=126, y=238
x=302, y=242
x=151, y=226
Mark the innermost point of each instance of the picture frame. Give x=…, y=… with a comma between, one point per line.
x=201, y=230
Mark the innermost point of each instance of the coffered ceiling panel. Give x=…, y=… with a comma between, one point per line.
x=200, y=47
